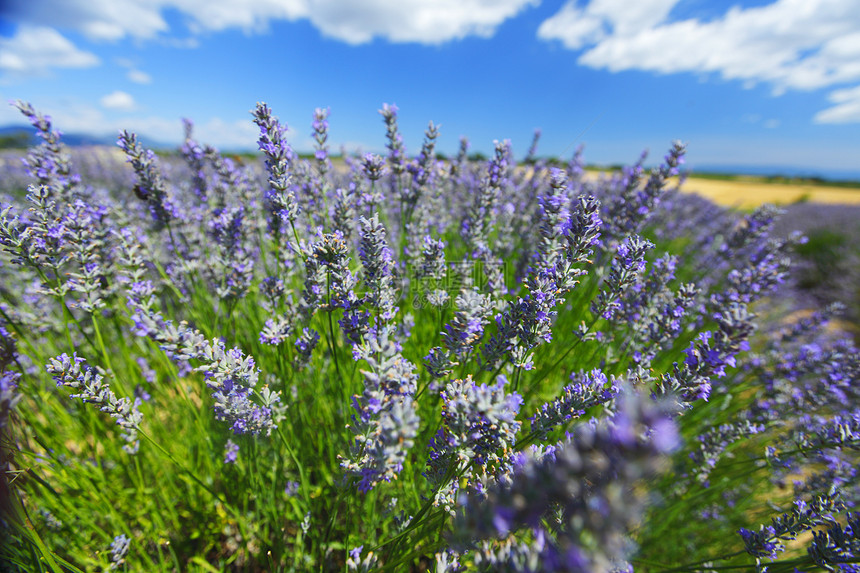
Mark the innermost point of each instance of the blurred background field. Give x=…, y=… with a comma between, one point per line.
x=826, y=268
x=747, y=192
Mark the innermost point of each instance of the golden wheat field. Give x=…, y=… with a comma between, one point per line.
x=748, y=193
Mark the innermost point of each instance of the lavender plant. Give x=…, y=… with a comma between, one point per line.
x=408, y=364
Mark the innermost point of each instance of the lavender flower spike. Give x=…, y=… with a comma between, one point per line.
x=591, y=478
x=385, y=424
x=378, y=267
x=49, y=162
x=118, y=551
x=279, y=157
x=74, y=373
x=150, y=187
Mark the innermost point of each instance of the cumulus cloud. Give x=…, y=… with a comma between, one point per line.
x=423, y=21
x=356, y=22
x=76, y=116
x=846, y=110
x=139, y=77
x=118, y=100
x=33, y=50
x=578, y=27
x=97, y=19
x=237, y=134
x=133, y=74
x=789, y=44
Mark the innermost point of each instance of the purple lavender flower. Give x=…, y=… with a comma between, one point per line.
x=478, y=426
x=768, y=540
x=354, y=562
x=385, y=424
x=118, y=551
x=229, y=178
x=320, y=135
x=74, y=373
x=396, y=152
x=592, y=477
x=461, y=159
x=378, y=266
x=39, y=241
x=231, y=375
x=231, y=452
x=627, y=212
x=8, y=347
x=713, y=443
x=373, y=166
x=527, y=322
x=749, y=230
x=467, y=327
x=233, y=262
x=652, y=313
x=150, y=187
x=588, y=389
x=305, y=345
x=49, y=162
x=628, y=265
x=329, y=283
x=480, y=219
x=421, y=170
x=195, y=157
x=709, y=355
x=837, y=546
x=433, y=260
x=9, y=396
x=291, y=489
x=281, y=200
x=88, y=232
x=344, y=211
x=531, y=154
x=554, y=214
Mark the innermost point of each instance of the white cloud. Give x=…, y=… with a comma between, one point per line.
x=220, y=133
x=139, y=77
x=423, y=21
x=33, y=50
x=846, y=110
x=577, y=27
x=248, y=15
x=97, y=19
x=355, y=22
x=118, y=100
x=133, y=74
x=789, y=44
x=238, y=134
x=71, y=115
x=67, y=115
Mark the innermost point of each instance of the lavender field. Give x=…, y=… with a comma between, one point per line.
x=403, y=363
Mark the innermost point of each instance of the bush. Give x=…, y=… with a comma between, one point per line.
x=408, y=364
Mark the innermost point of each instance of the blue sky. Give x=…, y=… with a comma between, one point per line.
x=746, y=83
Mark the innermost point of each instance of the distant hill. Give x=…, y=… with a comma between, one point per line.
x=778, y=172
x=21, y=136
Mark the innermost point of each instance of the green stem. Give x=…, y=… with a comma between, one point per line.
x=293, y=455
x=190, y=474
x=331, y=341
x=29, y=530
x=555, y=365
x=101, y=342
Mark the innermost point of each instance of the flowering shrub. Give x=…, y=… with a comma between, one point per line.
x=394, y=363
